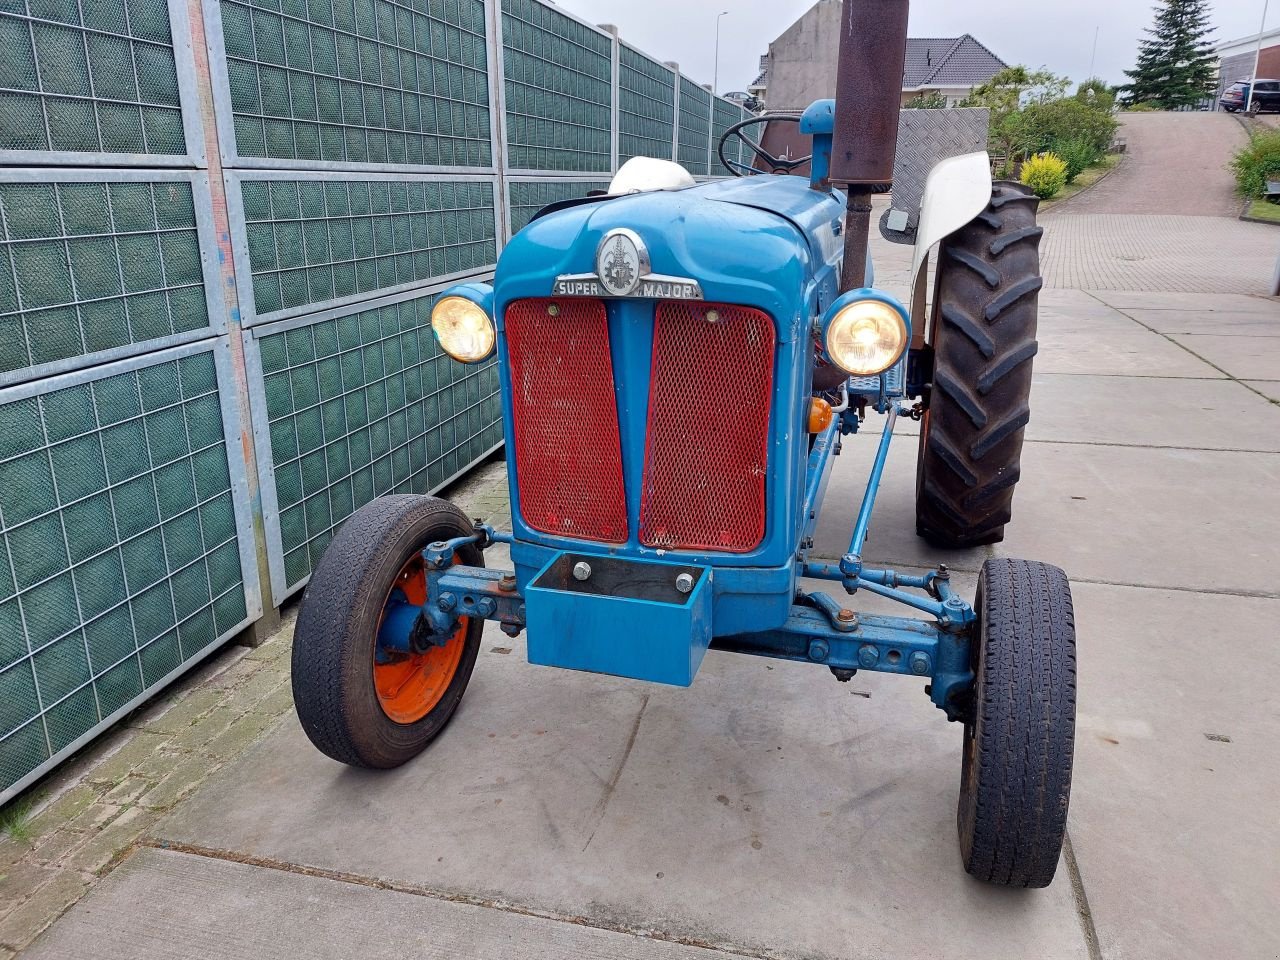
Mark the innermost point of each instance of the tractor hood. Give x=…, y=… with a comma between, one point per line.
x=757, y=240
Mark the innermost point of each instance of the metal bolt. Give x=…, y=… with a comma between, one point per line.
x=818, y=650
x=507, y=583
x=713, y=316
x=847, y=616
x=919, y=663
x=486, y=606
x=868, y=655
x=447, y=602
x=581, y=570
x=955, y=603
x=684, y=583
x=553, y=310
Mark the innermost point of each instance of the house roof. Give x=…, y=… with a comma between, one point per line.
x=948, y=62
x=763, y=79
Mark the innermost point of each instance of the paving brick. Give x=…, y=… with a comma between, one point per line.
x=206, y=728
x=186, y=711
x=114, y=838
x=67, y=807
x=127, y=790
x=257, y=687
x=279, y=701
x=46, y=904
x=120, y=764
x=161, y=763
x=93, y=817
x=236, y=674
x=57, y=845
x=185, y=777
x=11, y=851
x=239, y=735
x=20, y=880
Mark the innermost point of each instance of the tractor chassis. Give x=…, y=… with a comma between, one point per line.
x=819, y=629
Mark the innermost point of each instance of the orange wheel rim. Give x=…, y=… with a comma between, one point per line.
x=411, y=685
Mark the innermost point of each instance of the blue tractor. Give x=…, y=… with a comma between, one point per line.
x=680, y=363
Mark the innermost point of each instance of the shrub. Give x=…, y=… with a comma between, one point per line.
x=1045, y=174
x=1045, y=125
x=1257, y=163
x=1077, y=153
x=1144, y=107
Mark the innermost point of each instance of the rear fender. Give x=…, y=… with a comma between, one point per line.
x=957, y=190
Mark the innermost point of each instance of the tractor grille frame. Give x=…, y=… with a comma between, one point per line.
x=704, y=434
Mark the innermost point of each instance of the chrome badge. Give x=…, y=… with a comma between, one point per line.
x=623, y=270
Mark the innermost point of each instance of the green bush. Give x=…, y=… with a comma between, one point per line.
x=1046, y=125
x=1045, y=174
x=1144, y=107
x=1257, y=163
x=1078, y=153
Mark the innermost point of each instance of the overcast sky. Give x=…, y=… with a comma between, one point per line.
x=1055, y=35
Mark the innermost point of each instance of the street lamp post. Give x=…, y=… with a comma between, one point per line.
x=715, y=73
x=1257, y=53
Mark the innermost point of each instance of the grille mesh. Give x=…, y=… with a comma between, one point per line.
x=312, y=241
x=707, y=447
x=119, y=557
x=89, y=77
x=530, y=196
x=370, y=82
x=363, y=405
x=97, y=266
x=568, y=455
x=558, y=90
x=695, y=126
x=646, y=107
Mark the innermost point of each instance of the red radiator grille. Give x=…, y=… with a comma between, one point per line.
x=568, y=459
x=707, y=446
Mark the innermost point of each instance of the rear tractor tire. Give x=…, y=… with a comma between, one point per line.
x=359, y=705
x=1015, y=782
x=983, y=338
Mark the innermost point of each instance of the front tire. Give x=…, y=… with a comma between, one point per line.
x=1015, y=783
x=983, y=339
x=356, y=706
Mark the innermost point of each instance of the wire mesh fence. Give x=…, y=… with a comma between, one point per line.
x=185, y=359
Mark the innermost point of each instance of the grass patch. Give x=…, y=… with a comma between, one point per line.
x=1264, y=210
x=1088, y=177
x=15, y=819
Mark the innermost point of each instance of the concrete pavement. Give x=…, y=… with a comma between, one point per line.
x=771, y=812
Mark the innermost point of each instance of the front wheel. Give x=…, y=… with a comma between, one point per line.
x=359, y=703
x=1019, y=740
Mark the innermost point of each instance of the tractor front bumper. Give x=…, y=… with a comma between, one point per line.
x=655, y=621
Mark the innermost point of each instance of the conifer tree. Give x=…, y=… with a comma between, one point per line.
x=1175, y=65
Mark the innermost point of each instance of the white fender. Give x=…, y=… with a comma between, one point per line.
x=957, y=190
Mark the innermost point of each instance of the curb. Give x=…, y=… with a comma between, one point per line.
x=1244, y=215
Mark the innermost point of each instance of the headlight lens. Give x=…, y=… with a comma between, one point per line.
x=866, y=337
x=463, y=328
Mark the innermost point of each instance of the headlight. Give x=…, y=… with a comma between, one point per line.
x=463, y=328
x=866, y=337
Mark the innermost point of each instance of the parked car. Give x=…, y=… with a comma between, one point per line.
x=1266, y=96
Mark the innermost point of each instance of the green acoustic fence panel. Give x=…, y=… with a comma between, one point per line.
x=527, y=197
x=362, y=405
x=93, y=266
x=646, y=107
x=317, y=242
x=359, y=81
x=89, y=76
x=558, y=78
x=724, y=115
x=695, y=127
x=119, y=546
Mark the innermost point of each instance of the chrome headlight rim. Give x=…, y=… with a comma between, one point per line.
x=844, y=310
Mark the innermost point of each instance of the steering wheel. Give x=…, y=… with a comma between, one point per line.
x=775, y=164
